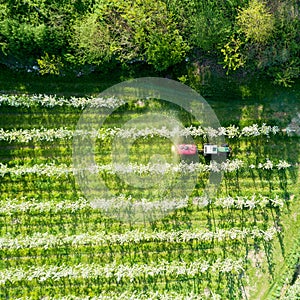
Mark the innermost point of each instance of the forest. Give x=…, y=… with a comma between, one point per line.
x=244, y=37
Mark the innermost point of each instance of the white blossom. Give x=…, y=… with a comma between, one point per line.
x=282, y=164
x=120, y=271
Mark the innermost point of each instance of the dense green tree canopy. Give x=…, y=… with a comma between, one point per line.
x=63, y=35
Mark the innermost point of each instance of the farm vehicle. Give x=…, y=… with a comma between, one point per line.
x=189, y=151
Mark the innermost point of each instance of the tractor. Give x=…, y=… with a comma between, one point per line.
x=190, y=151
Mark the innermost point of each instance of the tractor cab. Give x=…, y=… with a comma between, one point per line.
x=209, y=149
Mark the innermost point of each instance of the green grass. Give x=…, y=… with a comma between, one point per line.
x=70, y=85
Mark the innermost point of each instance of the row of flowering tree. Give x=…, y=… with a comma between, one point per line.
x=52, y=169
x=120, y=272
x=50, y=101
x=26, y=205
x=143, y=295
x=51, y=134
x=46, y=240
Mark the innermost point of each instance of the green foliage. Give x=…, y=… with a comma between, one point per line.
x=92, y=41
x=165, y=50
x=183, y=14
x=50, y=65
x=22, y=39
x=285, y=66
x=233, y=57
x=212, y=23
x=284, y=76
x=143, y=30
x=257, y=35
x=266, y=40
x=254, y=27
x=3, y=40
x=30, y=28
x=256, y=22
